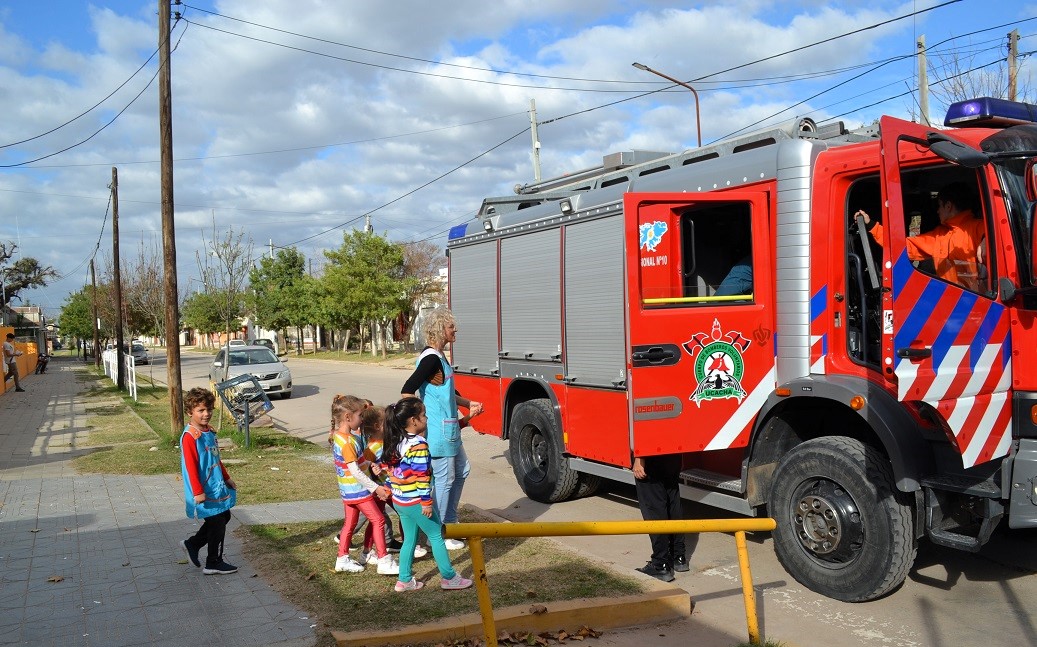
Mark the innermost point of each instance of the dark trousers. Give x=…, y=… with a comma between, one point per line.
x=658, y=496
x=211, y=534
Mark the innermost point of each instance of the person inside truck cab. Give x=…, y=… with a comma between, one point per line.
x=955, y=246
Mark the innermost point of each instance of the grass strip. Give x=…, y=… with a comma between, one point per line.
x=298, y=559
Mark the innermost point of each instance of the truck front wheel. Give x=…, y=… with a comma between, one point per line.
x=537, y=455
x=843, y=529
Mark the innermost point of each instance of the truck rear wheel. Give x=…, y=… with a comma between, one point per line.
x=537, y=455
x=843, y=529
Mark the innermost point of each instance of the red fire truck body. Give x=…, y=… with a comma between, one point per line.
x=730, y=304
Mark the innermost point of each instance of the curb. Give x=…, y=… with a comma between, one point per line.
x=598, y=613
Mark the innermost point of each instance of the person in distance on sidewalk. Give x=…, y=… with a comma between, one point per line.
x=657, y=479
x=11, y=362
x=209, y=491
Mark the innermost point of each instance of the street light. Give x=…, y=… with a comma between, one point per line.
x=698, y=120
x=3, y=296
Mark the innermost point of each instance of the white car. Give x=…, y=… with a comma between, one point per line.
x=236, y=342
x=258, y=361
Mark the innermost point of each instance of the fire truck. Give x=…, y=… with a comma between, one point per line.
x=842, y=385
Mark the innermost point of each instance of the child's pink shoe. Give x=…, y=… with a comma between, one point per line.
x=413, y=585
x=455, y=583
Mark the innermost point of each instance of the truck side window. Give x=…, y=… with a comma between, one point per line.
x=716, y=253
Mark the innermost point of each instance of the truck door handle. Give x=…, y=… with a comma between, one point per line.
x=653, y=355
x=914, y=353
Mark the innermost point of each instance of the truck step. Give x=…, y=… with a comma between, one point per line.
x=713, y=480
x=987, y=508
x=964, y=484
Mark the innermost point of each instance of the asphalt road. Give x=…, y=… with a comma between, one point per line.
x=950, y=598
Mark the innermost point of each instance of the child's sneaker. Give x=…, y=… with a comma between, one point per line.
x=455, y=583
x=419, y=551
x=370, y=557
x=345, y=564
x=413, y=585
x=453, y=544
x=387, y=565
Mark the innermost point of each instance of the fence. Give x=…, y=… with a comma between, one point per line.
x=476, y=532
x=110, y=361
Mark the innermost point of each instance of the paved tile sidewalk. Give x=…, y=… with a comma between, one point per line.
x=114, y=543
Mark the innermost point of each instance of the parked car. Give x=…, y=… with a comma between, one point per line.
x=264, y=342
x=237, y=342
x=258, y=361
x=140, y=354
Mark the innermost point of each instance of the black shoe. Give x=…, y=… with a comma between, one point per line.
x=19, y=389
x=192, y=553
x=680, y=564
x=662, y=573
x=393, y=546
x=220, y=568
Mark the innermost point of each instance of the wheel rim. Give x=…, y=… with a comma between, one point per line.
x=827, y=522
x=536, y=454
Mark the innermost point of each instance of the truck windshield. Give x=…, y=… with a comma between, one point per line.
x=1011, y=173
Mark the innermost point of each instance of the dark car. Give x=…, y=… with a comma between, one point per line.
x=264, y=342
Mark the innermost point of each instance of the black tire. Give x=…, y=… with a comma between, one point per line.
x=843, y=529
x=537, y=455
x=588, y=485
x=286, y=395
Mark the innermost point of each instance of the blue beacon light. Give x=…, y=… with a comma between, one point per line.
x=988, y=112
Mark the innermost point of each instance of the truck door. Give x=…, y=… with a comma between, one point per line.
x=700, y=294
x=945, y=336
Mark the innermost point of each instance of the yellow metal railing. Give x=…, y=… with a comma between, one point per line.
x=476, y=532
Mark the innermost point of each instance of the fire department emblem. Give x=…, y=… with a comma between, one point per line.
x=651, y=234
x=718, y=364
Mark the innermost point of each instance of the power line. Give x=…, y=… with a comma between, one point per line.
x=110, y=94
x=98, y=131
x=411, y=192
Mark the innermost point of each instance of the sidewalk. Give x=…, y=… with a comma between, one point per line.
x=114, y=543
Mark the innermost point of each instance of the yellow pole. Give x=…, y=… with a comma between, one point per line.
x=578, y=528
x=482, y=588
x=751, y=621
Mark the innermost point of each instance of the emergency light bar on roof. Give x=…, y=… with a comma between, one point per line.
x=990, y=112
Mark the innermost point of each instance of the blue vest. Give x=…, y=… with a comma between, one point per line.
x=444, y=434
x=218, y=497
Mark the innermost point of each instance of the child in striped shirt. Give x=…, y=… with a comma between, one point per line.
x=406, y=455
x=355, y=486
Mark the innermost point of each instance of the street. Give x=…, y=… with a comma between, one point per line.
x=950, y=597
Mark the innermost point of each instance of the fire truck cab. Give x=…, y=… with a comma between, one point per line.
x=867, y=380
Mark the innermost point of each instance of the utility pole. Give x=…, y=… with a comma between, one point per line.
x=536, y=139
x=117, y=279
x=97, y=322
x=923, y=82
x=171, y=294
x=271, y=248
x=1013, y=55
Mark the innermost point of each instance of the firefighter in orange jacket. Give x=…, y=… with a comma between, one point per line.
x=955, y=245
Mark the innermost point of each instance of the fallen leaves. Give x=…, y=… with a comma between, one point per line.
x=545, y=638
x=55, y=578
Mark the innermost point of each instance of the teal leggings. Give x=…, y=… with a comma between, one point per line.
x=411, y=520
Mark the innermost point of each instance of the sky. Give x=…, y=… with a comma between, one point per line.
x=294, y=122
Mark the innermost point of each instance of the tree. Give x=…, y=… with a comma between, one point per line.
x=421, y=264
x=76, y=318
x=955, y=76
x=202, y=312
x=143, y=292
x=278, y=294
x=365, y=280
x=25, y=273
x=224, y=278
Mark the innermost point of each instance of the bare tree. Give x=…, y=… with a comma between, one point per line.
x=421, y=264
x=958, y=76
x=224, y=270
x=144, y=289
